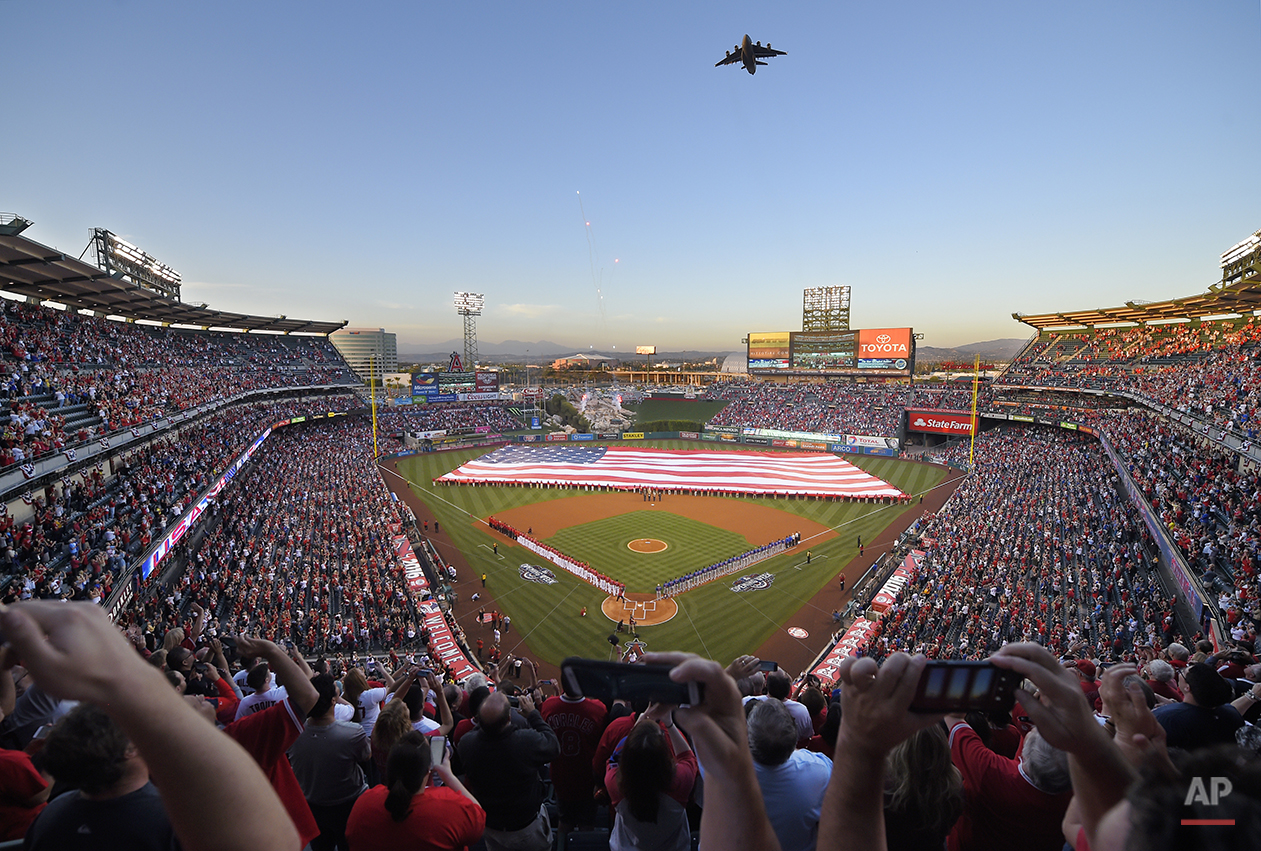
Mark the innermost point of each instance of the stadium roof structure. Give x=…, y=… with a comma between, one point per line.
x=28, y=268
x=1238, y=293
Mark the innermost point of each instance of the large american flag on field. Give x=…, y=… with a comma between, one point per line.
x=805, y=473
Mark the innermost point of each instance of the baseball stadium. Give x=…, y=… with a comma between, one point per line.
x=820, y=505
x=541, y=427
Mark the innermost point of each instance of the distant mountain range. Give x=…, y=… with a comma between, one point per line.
x=991, y=350
x=518, y=351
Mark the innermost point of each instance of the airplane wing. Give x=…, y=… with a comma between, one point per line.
x=762, y=52
x=731, y=59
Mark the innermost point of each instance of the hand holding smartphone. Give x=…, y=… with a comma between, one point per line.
x=609, y=681
x=956, y=686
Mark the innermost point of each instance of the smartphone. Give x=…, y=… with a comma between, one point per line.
x=437, y=749
x=608, y=681
x=963, y=685
x=767, y=665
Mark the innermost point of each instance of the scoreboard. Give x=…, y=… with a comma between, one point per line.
x=875, y=352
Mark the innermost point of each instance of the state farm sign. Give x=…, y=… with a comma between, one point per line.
x=940, y=422
x=884, y=343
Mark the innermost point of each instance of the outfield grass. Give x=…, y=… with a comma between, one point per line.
x=652, y=410
x=712, y=620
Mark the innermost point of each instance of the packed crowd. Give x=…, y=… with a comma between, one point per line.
x=71, y=377
x=109, y=742
x=1038, y=545
x=1211, y=507
x=300, y=550
x=1210, y=369
x=91, y=525
x=816, y=408
x=452, y=417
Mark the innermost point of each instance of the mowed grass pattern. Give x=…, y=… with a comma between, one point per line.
x=692, y=544
x=712, y=620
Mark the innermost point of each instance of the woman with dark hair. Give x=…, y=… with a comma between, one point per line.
x=392, y=724
x=408, y=812
x=649, y=778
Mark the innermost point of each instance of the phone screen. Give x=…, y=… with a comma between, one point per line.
x=959, y=686
x=608, y=681
x=437, y=749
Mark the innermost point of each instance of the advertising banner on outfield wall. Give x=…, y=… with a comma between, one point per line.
x=940, y=422
x=632, y=435
x=792, y=435
x=871, y=441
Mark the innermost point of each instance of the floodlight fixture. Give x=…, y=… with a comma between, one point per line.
x=469, y=304
x=825, y=309
x=121, y=259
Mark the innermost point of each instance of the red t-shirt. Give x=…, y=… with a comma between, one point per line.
x=685, y=771
x=267, y=735
x=613, y=734
x=440, y=819
x=578, y=725
x=19, y=782
x=1001, y=806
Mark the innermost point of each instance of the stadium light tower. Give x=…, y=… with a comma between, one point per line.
x=121, y=259
x=469, y=305
x=825, y=309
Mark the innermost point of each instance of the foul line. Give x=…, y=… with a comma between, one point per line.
x=695, y=630
x=779, y=627
x=543, y=620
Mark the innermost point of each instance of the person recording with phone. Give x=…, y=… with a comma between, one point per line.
x=409, y=810
x=649, y=782
x=501, y=767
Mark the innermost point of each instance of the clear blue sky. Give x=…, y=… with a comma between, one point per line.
x=952, y=162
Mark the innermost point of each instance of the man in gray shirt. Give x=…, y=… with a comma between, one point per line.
x=325, y=760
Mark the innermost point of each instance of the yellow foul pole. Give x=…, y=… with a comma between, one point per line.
x=976, y=383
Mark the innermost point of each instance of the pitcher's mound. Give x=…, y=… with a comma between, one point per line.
x=646, y=608
x=647, y=545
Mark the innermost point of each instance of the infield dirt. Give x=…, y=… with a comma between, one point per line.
x=760, y=524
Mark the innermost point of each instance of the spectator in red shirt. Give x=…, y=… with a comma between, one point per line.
x=1006, y=798
x=578, y=723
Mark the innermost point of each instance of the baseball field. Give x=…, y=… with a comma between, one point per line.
x=645, y=543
